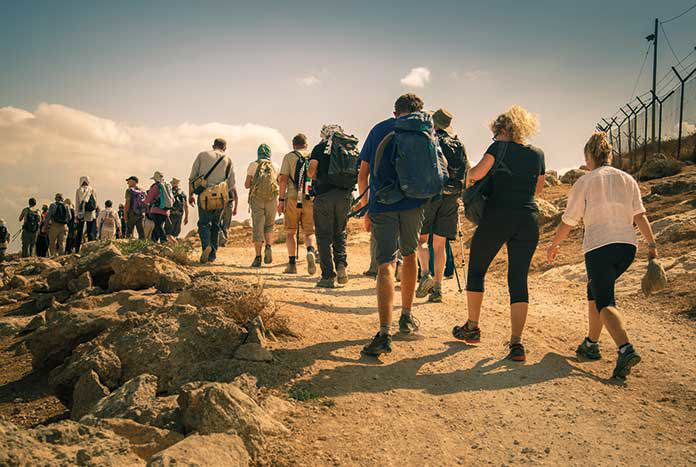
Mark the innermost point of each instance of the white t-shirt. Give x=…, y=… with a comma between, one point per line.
x=251, y=170
x=606, y=199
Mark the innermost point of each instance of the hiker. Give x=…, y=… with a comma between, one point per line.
x=394, y=218
x=86, y=205
x=441, y=213
x=333, y=166
x=511, y=218
x=108, y=222
x=72, y=226
x=42, y=237
x=4, y=239
x=608, y=201
x=262, y=183
x=122, y=220
x=31, y=222
x=212, y=180
x=159, y=200
x=296, y=205
x=179, y=212
x=134, y=208
x=59, y=216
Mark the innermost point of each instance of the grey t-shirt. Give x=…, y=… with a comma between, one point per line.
x=223, y=172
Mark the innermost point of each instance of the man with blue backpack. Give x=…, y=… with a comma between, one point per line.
x=401, y=160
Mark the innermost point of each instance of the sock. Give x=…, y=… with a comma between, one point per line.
x=405, y=312
x=310, y=249
x=292, y=259
x=589, y=342
x=384, y=330
x=625, y=347
x=471, y=324
x=515, y=340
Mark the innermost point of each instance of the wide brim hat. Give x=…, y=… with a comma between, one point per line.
x=442, y=118
x=175, y=181
x=157, y=176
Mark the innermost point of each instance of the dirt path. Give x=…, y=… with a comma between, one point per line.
x=437, y=401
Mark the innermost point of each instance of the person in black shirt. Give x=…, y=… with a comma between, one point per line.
x=331, y=207
x=510, y=218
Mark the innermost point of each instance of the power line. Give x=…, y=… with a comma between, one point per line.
x=642, y=67
x=669, y=44
x=679, y=15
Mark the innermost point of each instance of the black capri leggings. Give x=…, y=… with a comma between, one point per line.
x=604, y=266
x=519, y=230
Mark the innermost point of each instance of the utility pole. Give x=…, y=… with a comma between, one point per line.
x=654, y=82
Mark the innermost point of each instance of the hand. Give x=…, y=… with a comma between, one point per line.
x=186, y=220
x=469, y=182
x=652, y=252
x=192, y=200
x=552, y=253
x=281, y=207
x=234, y=210
x=367, y=223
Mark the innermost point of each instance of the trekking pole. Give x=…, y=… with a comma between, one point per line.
x=456, y=275
x=14, y=237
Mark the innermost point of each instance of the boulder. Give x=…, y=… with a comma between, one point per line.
x=676, y=227
x=215, y=449
x=551, y=180
x=97, y=259
x=572, y=176
x=659, y=168
x=548, y=213
x=38, y=266
x=64, y=443
x=140, y=271
x=87, y=392
x=58, y=279
x=254, y=346
x=682, y=184
x=82, y=282
x=35, y=323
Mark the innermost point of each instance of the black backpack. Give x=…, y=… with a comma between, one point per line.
x=300, y=174
x=343, y=161
x=32, y=221
x=457, y=162
x=61, y=215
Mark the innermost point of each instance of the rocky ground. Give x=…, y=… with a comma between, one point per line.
x=131, y=354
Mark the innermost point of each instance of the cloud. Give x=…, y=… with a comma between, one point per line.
x=309, y=80
x=471, y=75
x=416, y=78
x=45, y=152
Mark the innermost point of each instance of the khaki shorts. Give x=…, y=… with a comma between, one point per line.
x=307, y=217
x=263, y=214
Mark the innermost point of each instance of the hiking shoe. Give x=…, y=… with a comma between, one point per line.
x=625, y=362
x=291, y=268
x=311, y=263
x=379, y=345
x=267, y=255
x=590, y=352
x=397, y=272
x=326, y=283
x=256, y=263
x=341, y=275
x=435, y=294
x=369, y=273
x=408, y=324
x=470, y=336
x=206, y=254
x=425, y=285
x=517, y=353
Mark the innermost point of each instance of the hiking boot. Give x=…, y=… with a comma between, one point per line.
x=370, y=273
x=267, y=255
x=517, y=353
x=470, y=336
x=291, y=268
x=588, y=350
x=256, y=263
x=435, y=294
x=408, y=324
x=311, y=263
x=341, y=275
x=397, y=272
x=625, y=362
x=205, y=254
x=326, y=283
x=425, y=285
x=379, y=345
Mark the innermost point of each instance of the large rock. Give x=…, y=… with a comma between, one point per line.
x=572, y=176
x=97, y=259
x=18, y=282
x=140, y=271
x=254, y=346
x=58, y=279
x=551, y=178
x=82, y=282
x=87, y=392
x=677, y=185
x=658, y=168
x=218, y=449
x=548, y=213
x=63, y=444
x=676, y=228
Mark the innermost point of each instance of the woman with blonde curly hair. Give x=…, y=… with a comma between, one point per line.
x=510, y=218
x=608, y=201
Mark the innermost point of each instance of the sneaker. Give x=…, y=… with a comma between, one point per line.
x=397, y=272
x=291, y=268
x=206, y=254
x=435, y=294
x=425, y=285
x=517, y=353
x=625, y=362
x=590, y=352
x=326, y=283
x=341, y=275
x=212, y=257
x=311, y=263
x=256, y=263
x=470, y=336
x=408, y=324
x=267, y=255
x=379, y=345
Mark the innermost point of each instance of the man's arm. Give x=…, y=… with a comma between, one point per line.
x=282, y=187
x=22, y=214
x=312, y=170
x=235, y=201
x=363, y=187
x=247, y=182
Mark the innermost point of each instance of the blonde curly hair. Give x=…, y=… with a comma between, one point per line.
x=517, y=122
x=598, y=149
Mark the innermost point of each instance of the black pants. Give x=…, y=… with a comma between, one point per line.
x=90, y=228
x=42, y=245
x=604, y=266
x=173, y=227
x=135, y=223
x=158, y=233
x=519, y=230
x=28, y=243
x=330, y=220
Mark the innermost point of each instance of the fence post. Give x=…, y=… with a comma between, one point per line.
x=645, y=131
x=681, y=107
x=659, y=131
x=628, y=118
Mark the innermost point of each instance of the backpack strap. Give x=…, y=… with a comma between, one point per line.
x=502, y=150
x=299, y=156
x=217, y=162
x=379, y=153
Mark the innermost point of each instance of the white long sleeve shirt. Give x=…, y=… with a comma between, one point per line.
x=606, y=200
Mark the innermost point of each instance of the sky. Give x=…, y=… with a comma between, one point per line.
x=110, y=89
